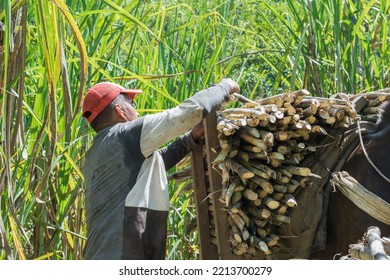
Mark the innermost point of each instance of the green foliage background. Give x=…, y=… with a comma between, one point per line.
x=52, y=50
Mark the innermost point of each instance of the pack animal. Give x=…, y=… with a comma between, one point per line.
x=346, y=222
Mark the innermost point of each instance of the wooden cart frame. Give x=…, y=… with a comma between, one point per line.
x=220, y=248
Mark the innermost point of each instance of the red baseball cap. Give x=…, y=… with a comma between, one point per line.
x=100, y=96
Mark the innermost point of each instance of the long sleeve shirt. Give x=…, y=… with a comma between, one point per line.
x=127, y=199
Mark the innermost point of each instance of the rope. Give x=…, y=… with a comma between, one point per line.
x=368, y=158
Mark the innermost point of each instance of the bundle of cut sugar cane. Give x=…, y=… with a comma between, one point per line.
x=262, y=145
x=369, y=105
x=371, y=247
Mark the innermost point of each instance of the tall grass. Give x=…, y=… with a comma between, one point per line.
x=50, y=51
x=326, y=46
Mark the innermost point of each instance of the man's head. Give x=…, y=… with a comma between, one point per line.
x=107, y=103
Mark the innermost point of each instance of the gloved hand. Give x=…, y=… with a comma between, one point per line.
x=235, y=87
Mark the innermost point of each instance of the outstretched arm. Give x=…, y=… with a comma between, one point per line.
x=161, y=128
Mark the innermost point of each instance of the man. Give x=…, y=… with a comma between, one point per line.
x=125, y=174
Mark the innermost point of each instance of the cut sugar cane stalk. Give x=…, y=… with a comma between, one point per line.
x=301, y=171
x=265, y=184
x=239, y=169
x=282, y=218
x=271, y=203
x=252, y=140
x=240, y=249
x=235, y=231
x=244, y=100
x=258, y=243
x=290, y=201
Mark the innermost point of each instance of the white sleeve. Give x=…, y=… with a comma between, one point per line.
x=160, y=128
